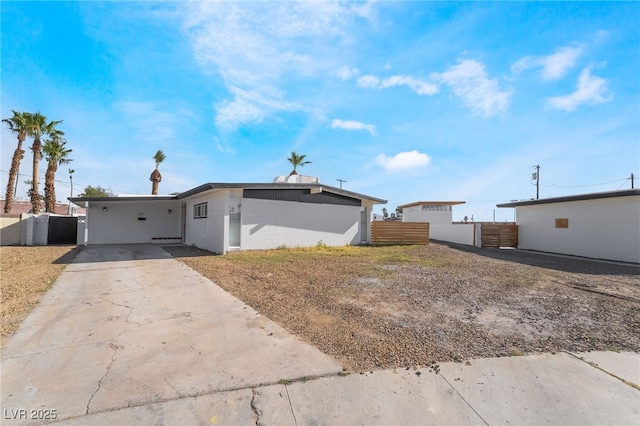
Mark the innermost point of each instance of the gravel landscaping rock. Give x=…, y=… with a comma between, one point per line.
x=410, y=306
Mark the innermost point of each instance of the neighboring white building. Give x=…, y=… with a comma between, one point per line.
x=434, y=212
x=603, y=225
x=439, y=214
x=220, y=217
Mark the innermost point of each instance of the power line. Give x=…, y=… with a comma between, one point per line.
x=584, y=186
x=64, y=183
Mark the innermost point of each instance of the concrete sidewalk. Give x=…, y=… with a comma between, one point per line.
x=129, y=335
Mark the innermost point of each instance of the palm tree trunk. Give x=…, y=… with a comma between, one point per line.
x=155, y=179
x=36, y=202
x=49, y=189
x=18, y=155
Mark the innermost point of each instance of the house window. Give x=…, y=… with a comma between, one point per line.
x=200, y=211
x=435, y=208
x=562, y=223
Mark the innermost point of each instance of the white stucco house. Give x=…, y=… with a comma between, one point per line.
x=434, y=212
x=439, y=214
x=221, y=217
x=604, y=225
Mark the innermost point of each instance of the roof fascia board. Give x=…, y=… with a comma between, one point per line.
x=213, y=186
x=570, y=198
x=116, y=199
x=432, y=203
x=311, y=186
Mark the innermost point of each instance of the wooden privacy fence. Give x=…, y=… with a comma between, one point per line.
x=500, y=235
x=391, y=233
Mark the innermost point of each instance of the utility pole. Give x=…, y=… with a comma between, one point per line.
x=341, y=180
x=537, y=177
x=631, y=180
x=71, y=172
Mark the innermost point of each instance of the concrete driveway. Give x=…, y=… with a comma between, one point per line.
x=128, y=335
x=128, y=326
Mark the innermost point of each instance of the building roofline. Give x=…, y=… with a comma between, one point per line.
x=432, y=203
x=278, y=185
x=212, y=186
x=568, y=198
x=77, y=200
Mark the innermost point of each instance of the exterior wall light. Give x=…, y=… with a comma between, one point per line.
x=170, y=211
x=104, y=209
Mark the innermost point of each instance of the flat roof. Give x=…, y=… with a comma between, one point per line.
x=568, y=198
x=212, y=186
x=432, y=203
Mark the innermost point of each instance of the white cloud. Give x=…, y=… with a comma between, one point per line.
x=421, y=87
x=554, y=66
x=590, y=90
x=403, y=161
x=255, y=47
x=234, y=113
x=249, y=107
x=151, y=121
x=470, y=82
x=418, y=86
x=368, y=82
x=346, y=73
x=353, y=125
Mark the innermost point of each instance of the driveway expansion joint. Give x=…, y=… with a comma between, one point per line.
x=462, y=398
x=293, y=414
x=197, y=394
x=597, y=367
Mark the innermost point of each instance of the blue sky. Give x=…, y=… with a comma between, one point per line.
x=405, y=101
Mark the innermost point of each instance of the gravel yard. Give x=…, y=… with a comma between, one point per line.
x=384, y=307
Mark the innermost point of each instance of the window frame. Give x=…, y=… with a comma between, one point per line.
x=200, y=210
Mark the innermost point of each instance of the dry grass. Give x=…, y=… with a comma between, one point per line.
x=27, y=273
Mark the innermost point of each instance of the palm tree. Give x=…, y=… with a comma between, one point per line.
x=37, y=127
x=297, y=160
x=156, y=177
x=56, y=154
x=18, y=125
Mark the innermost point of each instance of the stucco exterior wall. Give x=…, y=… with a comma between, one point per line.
x=26, y=228
x=40, y=229
x=367, y=209
x=82, y=222
x=208, y=233
x=603, y=228
x=119, y=224
x=459, y=233
x=10, y=234
x=416, y=214
x=270, y=224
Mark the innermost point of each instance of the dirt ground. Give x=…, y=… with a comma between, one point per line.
x=26, y=273
x=384, y=307
x=390, y=307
